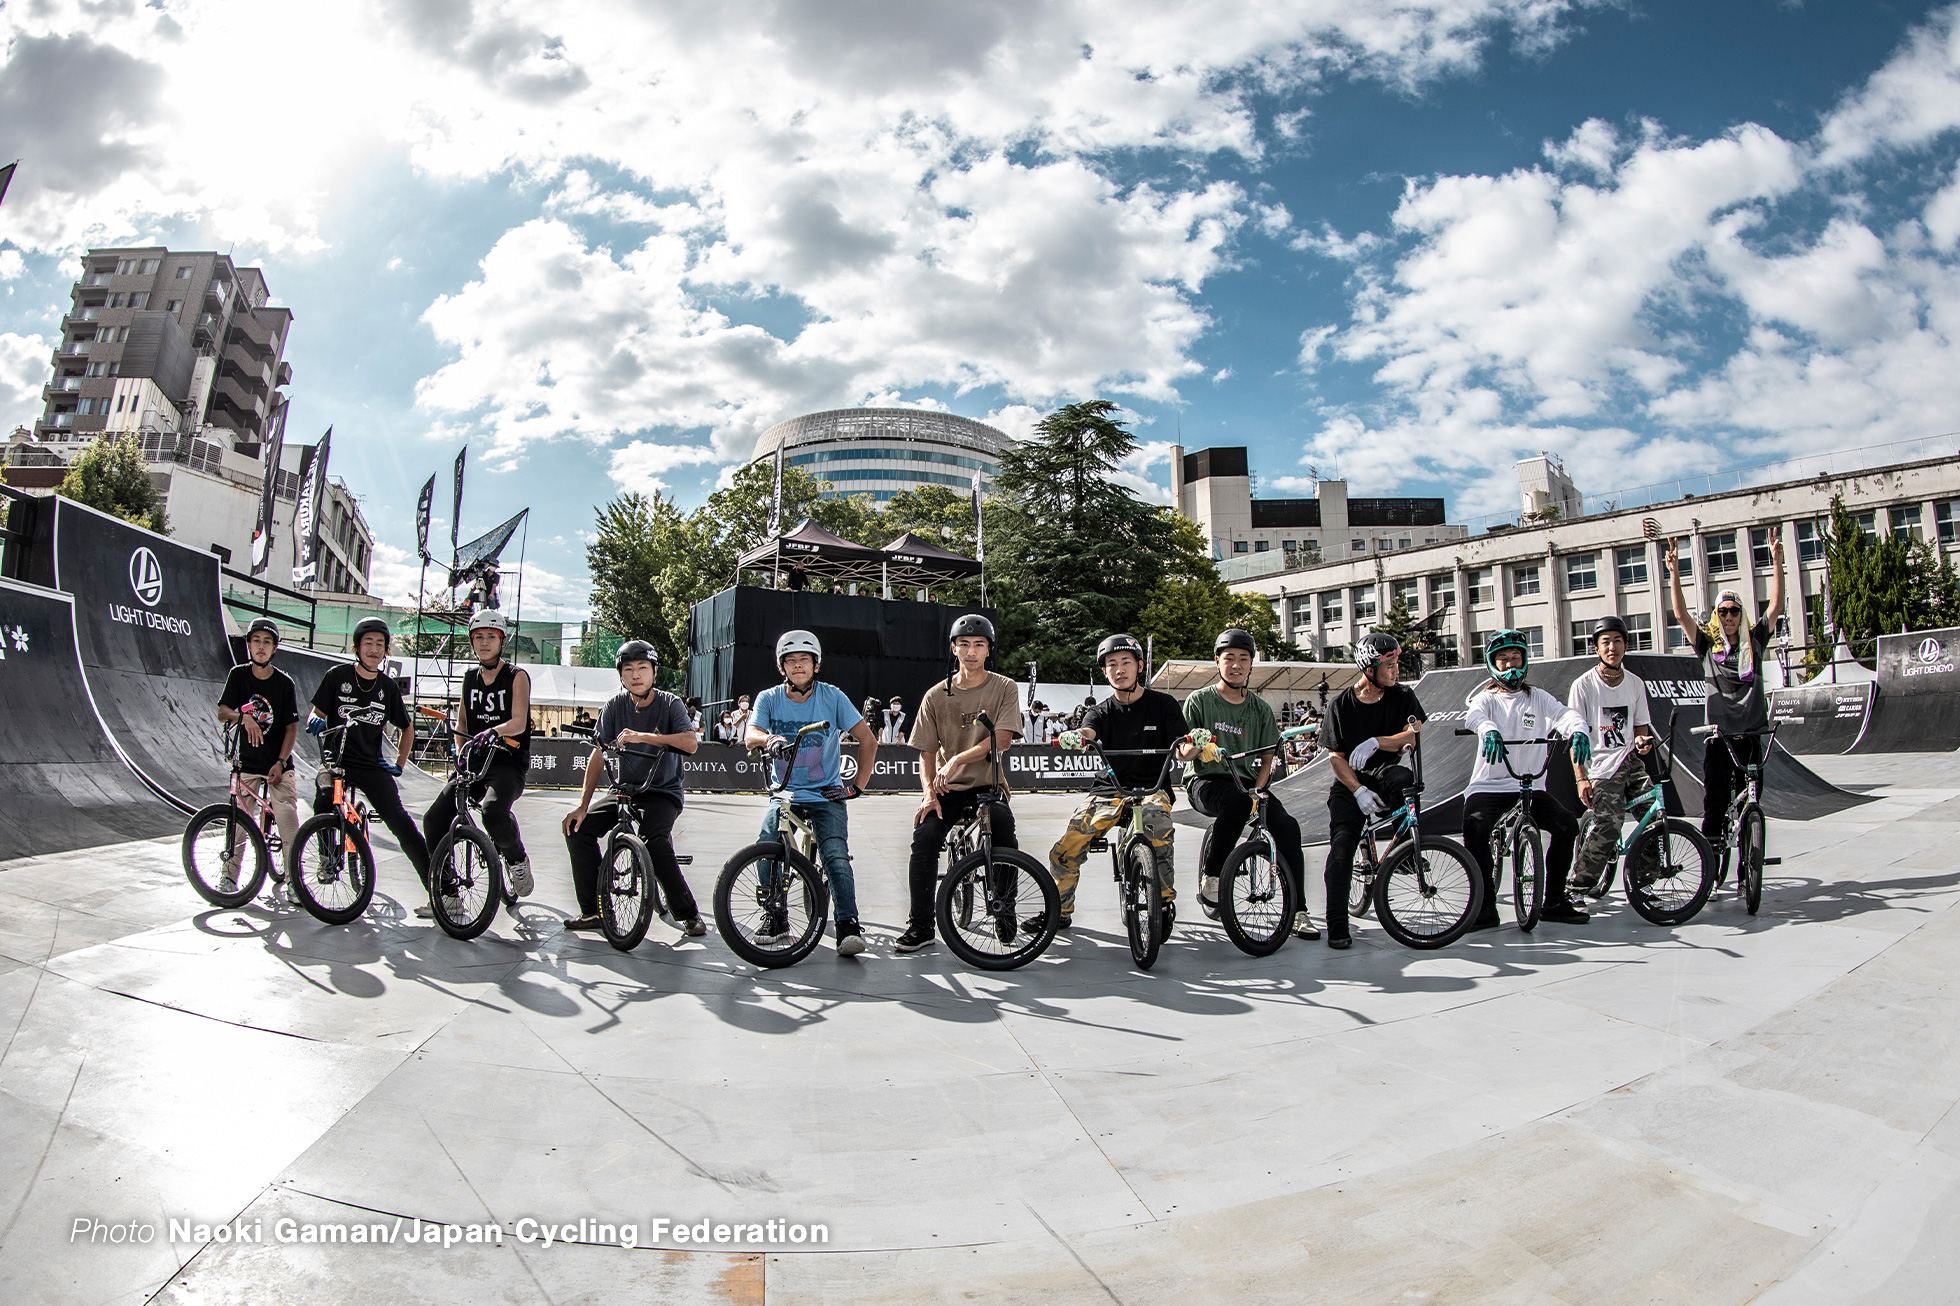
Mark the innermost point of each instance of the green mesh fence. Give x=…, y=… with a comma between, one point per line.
x=533, y=641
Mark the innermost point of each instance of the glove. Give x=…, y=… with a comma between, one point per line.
x=853, y=791
x=392, y=768
x=1206, y=743
x=1582, y=748
x=483, y=738
x=1369, y=802
x=316, y=725
x=779, y=748
x=1071, y=740
x=1494, y=750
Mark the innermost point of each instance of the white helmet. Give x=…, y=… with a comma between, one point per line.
x=489, y=619
x=797, y=641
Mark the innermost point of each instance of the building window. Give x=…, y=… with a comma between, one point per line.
x=175, y=306
x=1357, y=546
x=1943, y=520
x=1330, y=607
x=114, y=301
x=1408, y=593
x=1581, y=636
x=1722, y=560
x=1632, y=564
x=1686, y=547
x=1868, y=524
x=1810, y=542
x=1442, y=593
x=1676, y=639
x=1290, y=546
x=1582, y=573
x=1238, y=546
x=1524, y=580
x=1481, y=589
x=1301, y=606
x=1640, y=632
x=1535, y=636
x=149, y=267
x=1402, y=544
x=1905, y=521
x=184, y=272
x=1759, y=546
x=1446, y=647
x=1262, y=546
x=1364, y=602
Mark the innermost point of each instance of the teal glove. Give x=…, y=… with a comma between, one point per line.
x=1582, y=748
x=1494, y=750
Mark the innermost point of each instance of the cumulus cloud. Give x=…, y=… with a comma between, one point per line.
x=23, y=371
x=638, y=466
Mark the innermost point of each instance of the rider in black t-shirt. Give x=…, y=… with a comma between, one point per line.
x=496, y=700
x=261, y=701
x=357, y=692
x=1364, y=734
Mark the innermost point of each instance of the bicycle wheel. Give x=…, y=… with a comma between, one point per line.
x=993, y=939
x=625, y=891
x=1255, y=900
x=1605, y=882
x=1527, y=878
x=1670, y=873
x=331, y=868
x=1143, y=903
x=221, y=845
x=1428, y=899
x=465, y=882
x=1749, y=858
x=771, y=905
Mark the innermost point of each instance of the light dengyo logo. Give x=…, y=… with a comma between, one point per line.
x=1930, y=650
x=146, y=576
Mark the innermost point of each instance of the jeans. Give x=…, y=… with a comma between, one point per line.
x=1233, y=808
x=1345, y=823
x=1096, y=816
x=1721, y=779
x=378, y=787
x=1481, y=812
x=832, y=826
x=499, y=791
x=1610, y=799
x=929, y=837
x=658, y=812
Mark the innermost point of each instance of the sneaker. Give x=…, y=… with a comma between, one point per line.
x=1208, y=896
x=775, y=928
x=1303, y=927
x=914, y=938
x=849, y=942
x=228, y=883
x=1563, y=911
x=591, y=922
x=1340, y=942
x=1170, y=917
x=1005, y=926
x=452, y=907
x=428, y=913
x=521, y=883
x=693, y=927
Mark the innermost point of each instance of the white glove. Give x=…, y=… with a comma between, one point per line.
x=1369, y=802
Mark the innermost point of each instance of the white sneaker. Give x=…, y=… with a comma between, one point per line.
x=521, y=883
x=850, y=945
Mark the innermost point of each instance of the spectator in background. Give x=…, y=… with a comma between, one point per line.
x=694, y=722
x=723, y=726
x=738, y=723
x=894, y=723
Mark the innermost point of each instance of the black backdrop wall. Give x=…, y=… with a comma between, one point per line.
x=872, y=648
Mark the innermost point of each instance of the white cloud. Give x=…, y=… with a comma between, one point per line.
x=1912, y=99
x=638, y=466
x=23, y=371
x=393, y=574
x=11, y=264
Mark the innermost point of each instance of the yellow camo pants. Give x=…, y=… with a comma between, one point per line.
x=1098, y=815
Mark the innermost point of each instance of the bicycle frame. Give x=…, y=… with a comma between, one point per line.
x=348, y=802
x=1131, y=800
x=1405, y=822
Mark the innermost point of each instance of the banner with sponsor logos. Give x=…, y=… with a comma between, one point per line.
x=724, y=768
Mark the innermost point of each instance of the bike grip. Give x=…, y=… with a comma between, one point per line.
x=1461, y=731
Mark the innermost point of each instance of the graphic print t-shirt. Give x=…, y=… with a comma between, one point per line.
x=818, y=764
x=1238, y=727
x=1734, y=704
x=486, y=707
x=948, y=724
x=1611, y=712
x=273, y=702
x=371, y=704
x=1154, y=721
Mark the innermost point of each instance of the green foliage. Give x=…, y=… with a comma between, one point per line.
x=110, y=475
x=1072, y=555
x=1879, y=587
x=598, y=647
x=1408, y=633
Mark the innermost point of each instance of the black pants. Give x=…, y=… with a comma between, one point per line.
x=385, y=800
x=929, y=837
x=658, y=812
x=1721, y=777
x=1481, y=813
x=499, y=791
x=1231, y=807
x=1345, y=823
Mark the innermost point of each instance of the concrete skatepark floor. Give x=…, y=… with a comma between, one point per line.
x=1739, y=1110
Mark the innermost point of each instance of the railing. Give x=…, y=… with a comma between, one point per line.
x=264, y=608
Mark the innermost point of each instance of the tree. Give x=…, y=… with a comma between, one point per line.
x=110, y=475
x=1879, y=586
x=1073, y=555
x=1407, y=632
x=1191, y=605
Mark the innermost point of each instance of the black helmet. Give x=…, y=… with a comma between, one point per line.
x=1376, y=648
x=1610, y=624
x=1118, y=644
x=1234, y=638
x=265, y=624
x=635, y=650
x=372, y=626
x=973, y=624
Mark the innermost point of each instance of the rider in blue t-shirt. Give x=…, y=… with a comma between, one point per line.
x=816, y=770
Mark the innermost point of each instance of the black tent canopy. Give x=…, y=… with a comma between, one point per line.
x=907, y=560
x=913, y=560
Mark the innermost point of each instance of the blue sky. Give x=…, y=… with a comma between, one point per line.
x=606, y=244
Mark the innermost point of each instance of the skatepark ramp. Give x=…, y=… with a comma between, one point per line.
x=1911, y=705
x=1792, y=792
x=65, y=785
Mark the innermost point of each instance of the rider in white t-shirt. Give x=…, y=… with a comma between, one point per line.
x=1614, y=703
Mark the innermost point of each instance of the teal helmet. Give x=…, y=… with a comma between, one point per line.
x=1497, y=643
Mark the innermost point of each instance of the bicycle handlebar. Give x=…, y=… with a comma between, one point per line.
x=1736, y=734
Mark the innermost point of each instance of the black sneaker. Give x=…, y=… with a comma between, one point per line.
x=591, y=922
x=1170, y=917
x=850, y=942
x=1563, y=911
x=1005, y=926
x=1340, y=942
x=1035, y=924
x=914, y=938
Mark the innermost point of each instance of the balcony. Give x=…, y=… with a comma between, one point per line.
x=94, y=279
x=62, y=383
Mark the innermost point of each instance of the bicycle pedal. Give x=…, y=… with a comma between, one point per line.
x=684, y=859
x=1772, y=861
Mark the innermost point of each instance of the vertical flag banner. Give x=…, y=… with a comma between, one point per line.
x=979, y=531
x=423, y=503
x=6, y=177
x=306, y=520
x=456, y=513
x=776, y=497
x=268, y=492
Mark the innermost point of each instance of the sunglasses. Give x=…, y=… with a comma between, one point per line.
x=1730, y=611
